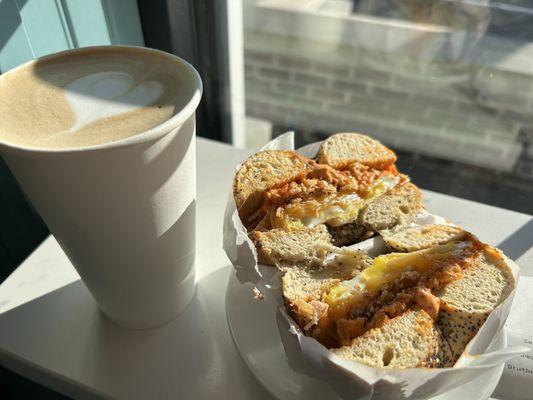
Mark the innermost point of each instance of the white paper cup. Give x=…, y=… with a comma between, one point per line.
x=124, y=212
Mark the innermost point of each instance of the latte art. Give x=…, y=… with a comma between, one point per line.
x=106, y=94
x=91, y=97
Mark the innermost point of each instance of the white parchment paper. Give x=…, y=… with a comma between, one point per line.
x=349, y=379
x=517, y=377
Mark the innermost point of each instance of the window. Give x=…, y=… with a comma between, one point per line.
x=447, y=84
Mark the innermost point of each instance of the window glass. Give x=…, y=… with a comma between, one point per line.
x=447, y=84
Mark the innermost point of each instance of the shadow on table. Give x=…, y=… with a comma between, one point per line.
x=65, y=331
x=519, y=242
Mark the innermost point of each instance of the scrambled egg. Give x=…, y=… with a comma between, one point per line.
x=381, y=186
x=335, y=210
x=385, y=269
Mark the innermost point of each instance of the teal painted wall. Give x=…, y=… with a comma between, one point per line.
x=33, y=28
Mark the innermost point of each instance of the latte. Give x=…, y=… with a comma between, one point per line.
x=88, y=97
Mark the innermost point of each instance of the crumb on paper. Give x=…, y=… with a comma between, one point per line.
x=257, y=294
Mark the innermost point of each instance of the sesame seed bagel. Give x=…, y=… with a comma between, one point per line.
x=398, y=206
x=412, y=238
x=262, y=171
x=418, y=304
x=466, y=303
x=342, y=149
x=407, y=341
x=306, y=247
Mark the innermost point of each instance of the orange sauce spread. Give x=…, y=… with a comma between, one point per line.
x=364, y=176
x=321, y=180
x=409, y=290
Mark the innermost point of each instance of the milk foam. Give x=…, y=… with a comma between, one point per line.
x=106, y=94
x=88, y=97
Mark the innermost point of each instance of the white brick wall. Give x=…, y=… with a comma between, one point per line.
x=466, y=112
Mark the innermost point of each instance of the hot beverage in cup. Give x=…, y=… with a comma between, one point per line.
x=102, y=141
x=88, y=97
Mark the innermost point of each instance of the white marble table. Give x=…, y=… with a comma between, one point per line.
x=52, y=332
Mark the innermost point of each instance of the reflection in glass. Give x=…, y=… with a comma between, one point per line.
x=447, y=84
